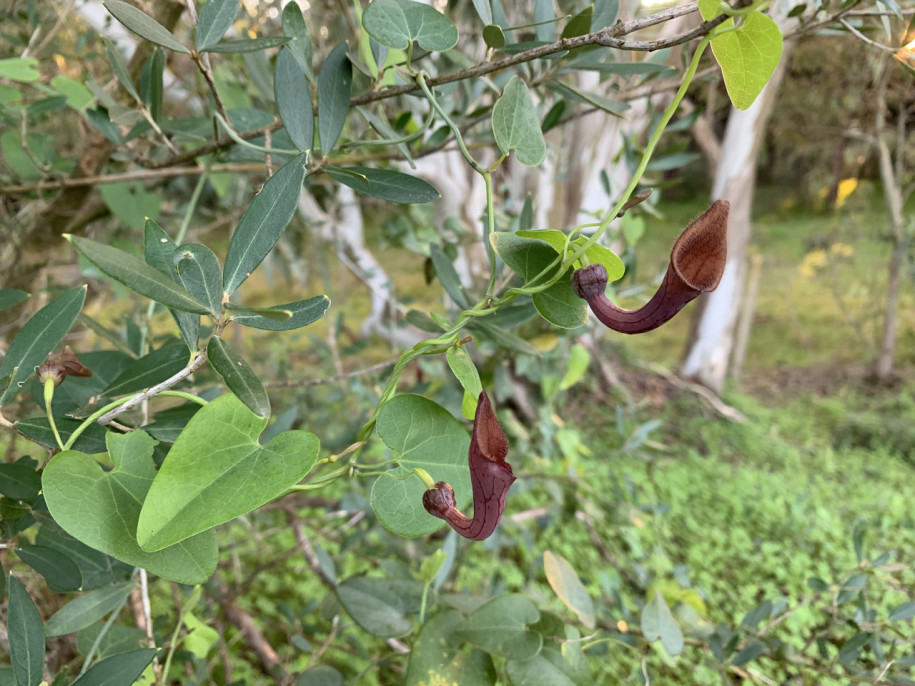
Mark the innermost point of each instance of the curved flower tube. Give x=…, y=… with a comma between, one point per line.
x=490, y=475
x=696, y=264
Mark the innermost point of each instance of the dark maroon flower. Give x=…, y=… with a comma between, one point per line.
x=490, y=475
x=61, y=366
x=696, y=265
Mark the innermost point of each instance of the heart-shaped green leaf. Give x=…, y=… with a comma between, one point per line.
x=526, y=257
x=101, y=508
x=516, y=126
x=217, y=471
x=426, y=436
x=748, y=55
x=499, y=627
x=597, y=254
x=395, y=23
x=436, y=657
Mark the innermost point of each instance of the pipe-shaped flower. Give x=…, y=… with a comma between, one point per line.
x=61, y=366
x=490, y=475
x=696, y=264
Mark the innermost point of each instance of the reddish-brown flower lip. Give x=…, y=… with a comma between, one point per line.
x=490, y=477
x=697, y=263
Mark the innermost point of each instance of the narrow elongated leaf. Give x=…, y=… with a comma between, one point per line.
x=300, y=45
x=903, y=612
x=159, y=252
x=19, y=480
x=565, y=582
x=59, y=571
x=101, y=508
x=92, y=440
x=293, y=100
x=395, y=23
x=515, y=124
x=96, y=569
x=605, y=13
x=271, y=313
x=119, y=67
x=149, y=370
x=448, y=277
x=26, y=635
x=137, y=275
x=37, y=338
x=386, y=184
x=87, y=609
x=544, y=14
x=335, y=83
x=304, y=312
x=260, y=228
x=425, y=435
x=118, y=670
x=249, y=44
x=500, y=628
x=198, y=271
x=215, y=19
x=143, y=25
x=238, y=375
x=10, y=297
x=151, y=83
x=190, y=495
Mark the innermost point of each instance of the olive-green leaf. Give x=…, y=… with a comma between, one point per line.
x=300, y=45
x=92, y=440
x=118, y=670
x=748, y=55
x=101, y=508
x=386, y=184
x=422, y=434
x=61, y=573
x=499, y=627
x=159, y=252
x=335, y=83
x=526, y=257
x=263, y=223
x=37, y=339
x=26, y=635
x=448, y=277
x=516, y=126
x=304, y=312
x=395, y=23
x=143, y=25
x=217, y=470
x=198, y=271
x=215, y=19
x=87, y=609
x=119, y=67
x=238, y=376
x=271, y=313
x=137, y=275
x=249, y=44
x=293, y=100
x=10, y=297
x=565, y=582
x=149, y=370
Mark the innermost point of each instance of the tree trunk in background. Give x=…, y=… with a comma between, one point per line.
x=714, y=320
x=891, y=179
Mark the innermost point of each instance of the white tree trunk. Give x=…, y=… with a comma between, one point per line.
x=714, y=322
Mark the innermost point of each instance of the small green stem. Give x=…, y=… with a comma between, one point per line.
x=422, y=605
x=88, y=421
x=251, y=146
x=420, y=79
x=48, y=397
x=487, y=233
